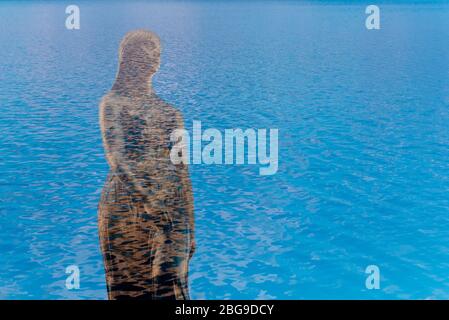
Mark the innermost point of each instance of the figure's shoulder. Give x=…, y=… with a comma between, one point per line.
x=113, y=99
x=169, y=110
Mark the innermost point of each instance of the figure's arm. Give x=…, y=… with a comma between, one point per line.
x=107, y=119
x=187, y=192
x=190, y=209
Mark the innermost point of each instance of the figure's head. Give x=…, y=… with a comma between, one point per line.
x=139, y=54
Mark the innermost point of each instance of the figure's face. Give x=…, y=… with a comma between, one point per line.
x=154, y=57
x=141, y=57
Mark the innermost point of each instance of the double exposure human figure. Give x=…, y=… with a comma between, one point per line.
x=146, y=208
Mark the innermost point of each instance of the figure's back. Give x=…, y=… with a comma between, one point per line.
x=146, y=210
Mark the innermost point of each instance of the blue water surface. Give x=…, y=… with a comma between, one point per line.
x=363, y=119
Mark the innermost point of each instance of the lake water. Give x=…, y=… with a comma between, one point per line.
x=363, y=119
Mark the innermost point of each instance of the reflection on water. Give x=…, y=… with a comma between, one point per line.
x=146, y=209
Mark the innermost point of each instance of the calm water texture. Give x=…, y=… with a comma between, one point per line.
x=363, y=144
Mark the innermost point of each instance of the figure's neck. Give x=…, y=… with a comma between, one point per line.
x=133, y=86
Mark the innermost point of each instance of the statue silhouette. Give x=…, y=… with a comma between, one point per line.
x=146, y=208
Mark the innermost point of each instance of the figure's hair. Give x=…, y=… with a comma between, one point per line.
x=138, y=36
